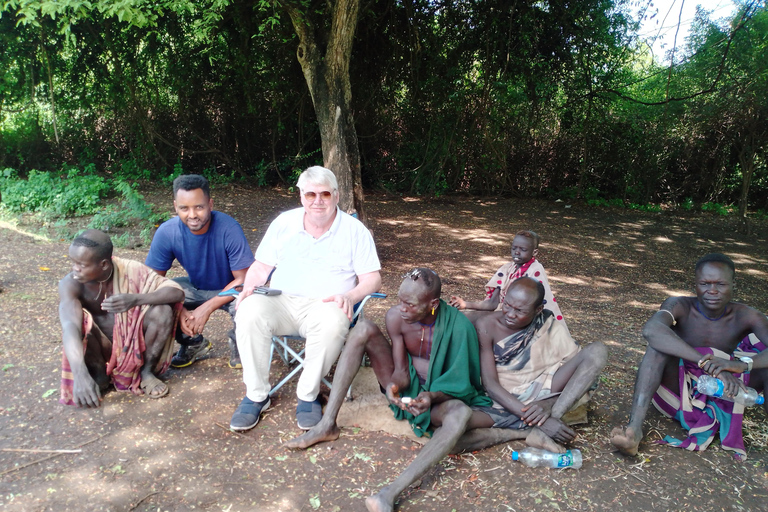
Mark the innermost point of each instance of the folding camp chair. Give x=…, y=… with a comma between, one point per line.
x=290, y=356
x=280, y=343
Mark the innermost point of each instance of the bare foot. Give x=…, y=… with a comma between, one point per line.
x=626, y=439
x=376, y=503
x=538, y=439
x=317, y=434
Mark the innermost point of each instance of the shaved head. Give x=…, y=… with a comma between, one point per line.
x=97, y=241
x=428, y=279
x=530, y=285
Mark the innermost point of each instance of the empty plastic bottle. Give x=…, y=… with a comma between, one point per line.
x=712, y=386
x=536, y=457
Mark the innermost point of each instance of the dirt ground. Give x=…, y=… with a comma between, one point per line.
x=610, y=269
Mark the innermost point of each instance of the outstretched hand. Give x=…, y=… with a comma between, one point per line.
x=344, y=302
x=457, y=302
x=120, y=303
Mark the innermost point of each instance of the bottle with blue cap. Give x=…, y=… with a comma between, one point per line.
x=713, y=386
x=536, y=457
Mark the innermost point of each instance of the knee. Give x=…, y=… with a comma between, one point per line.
x=455, y=413
x=363, y=331
x=653, y=356
x=597, y=353
x=327, y=319
x=161, y=316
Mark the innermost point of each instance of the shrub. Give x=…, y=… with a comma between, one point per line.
x=132, y=208
x=44, y=192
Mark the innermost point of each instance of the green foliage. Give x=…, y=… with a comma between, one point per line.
x=544, y=99
x=132, y=169
x=74, y=194
x=132, y=209
x=717, y=208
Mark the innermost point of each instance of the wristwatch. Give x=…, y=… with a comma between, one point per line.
x=748, y=360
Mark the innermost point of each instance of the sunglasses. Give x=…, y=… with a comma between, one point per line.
x=324, y=195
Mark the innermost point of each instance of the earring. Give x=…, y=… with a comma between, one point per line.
x=433, y=310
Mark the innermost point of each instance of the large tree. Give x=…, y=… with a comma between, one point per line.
x=326, y=31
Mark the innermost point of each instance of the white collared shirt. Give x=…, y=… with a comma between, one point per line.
x=317, y=268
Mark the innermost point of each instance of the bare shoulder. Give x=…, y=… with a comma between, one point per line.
x=393, y=321
x=69, y=288
x=486, y=327
x=748, y=314
x=677, y=304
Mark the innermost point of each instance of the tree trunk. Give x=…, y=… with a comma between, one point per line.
x=747, y=164
x=327, y=77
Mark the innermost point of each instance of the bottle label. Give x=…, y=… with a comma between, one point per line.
x=565, y=460
x=720, y=389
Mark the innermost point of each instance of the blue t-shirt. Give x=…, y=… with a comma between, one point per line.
x=210, y=258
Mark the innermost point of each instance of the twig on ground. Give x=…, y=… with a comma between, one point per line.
x=48, y=457
x=36, y=450
x=142, y=499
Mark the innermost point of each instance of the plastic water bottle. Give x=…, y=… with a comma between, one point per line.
x=536, y=457
x=712, y=386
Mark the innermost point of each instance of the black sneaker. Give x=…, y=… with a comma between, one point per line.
x=247, y=414
x=188, y=354
x=308, y=414
x=234, y=355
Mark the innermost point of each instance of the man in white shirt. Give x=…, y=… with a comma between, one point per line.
x=324, y=262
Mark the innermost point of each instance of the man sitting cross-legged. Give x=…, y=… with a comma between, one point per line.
x=532, y=368
x=692, y=336
x=433, y=360
x=117, y=320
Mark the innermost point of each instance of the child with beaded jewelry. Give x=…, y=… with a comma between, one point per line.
x=525, y=248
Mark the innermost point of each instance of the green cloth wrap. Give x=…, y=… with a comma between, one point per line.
x=454, y=367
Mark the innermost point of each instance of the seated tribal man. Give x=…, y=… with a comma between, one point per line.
x=432, y=363
x=117, y=319
x=532, y=369
x=692, y=336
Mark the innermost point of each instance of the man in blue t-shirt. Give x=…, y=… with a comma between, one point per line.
x=212, y=248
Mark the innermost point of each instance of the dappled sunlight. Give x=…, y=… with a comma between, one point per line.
x=642, y=305
x=625, y=264
x=745, y=259
x=550, y=247
x=663, y=239
x=581, y=281
x=596, y=281
x=13, y=227
x=657, y=287
x=754, y=272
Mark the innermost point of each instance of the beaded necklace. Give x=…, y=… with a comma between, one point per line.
x=710, y=319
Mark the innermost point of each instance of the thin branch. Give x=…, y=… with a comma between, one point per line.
x=17, y=468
